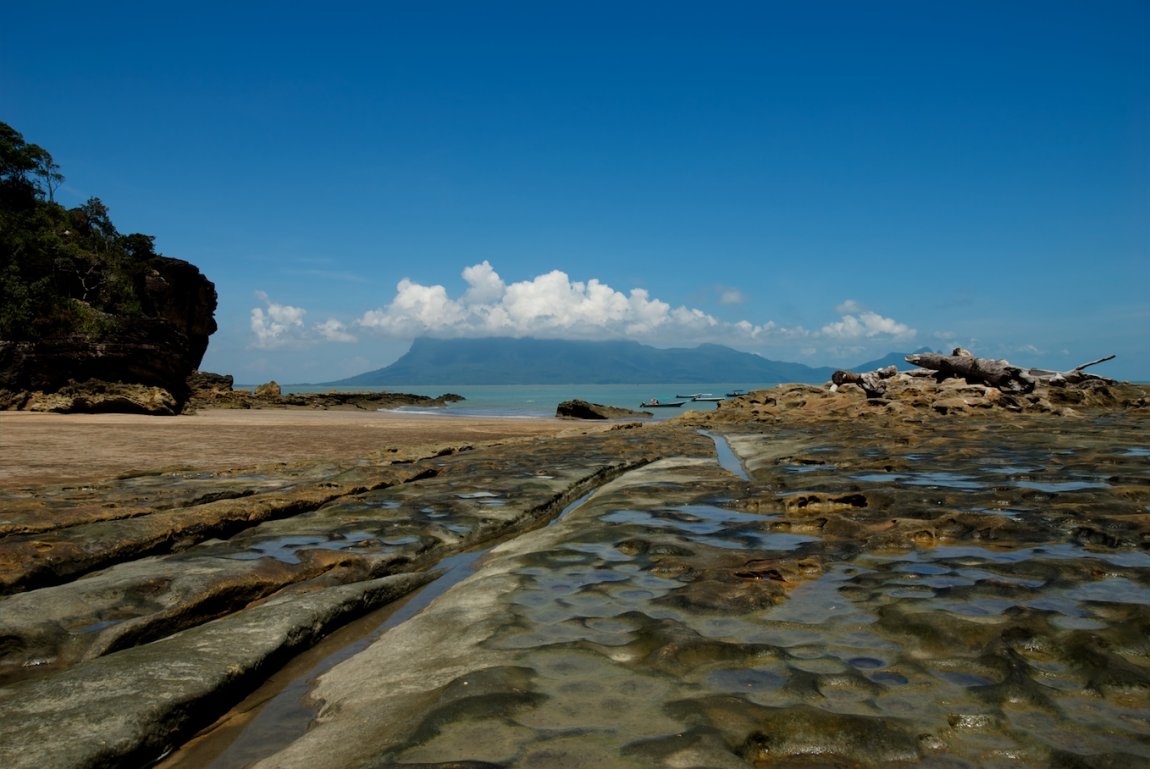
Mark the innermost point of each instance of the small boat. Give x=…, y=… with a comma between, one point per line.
x=707, y=398
x=736, y=393
x=692, y=396
x=660, y=404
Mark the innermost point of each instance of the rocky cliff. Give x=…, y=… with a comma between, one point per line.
x=91, y=319
x=141, y=367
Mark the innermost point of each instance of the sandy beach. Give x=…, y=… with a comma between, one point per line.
x=38, y=448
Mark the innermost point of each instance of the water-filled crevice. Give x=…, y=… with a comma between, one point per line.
x=728, y=460
x=282, y=708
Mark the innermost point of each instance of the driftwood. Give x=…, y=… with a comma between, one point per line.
x=1073, y=376
x=871, y=382
x=996, y=373
x=963, y=364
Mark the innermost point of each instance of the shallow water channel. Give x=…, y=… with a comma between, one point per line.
x=952, y=605
x=282, y=709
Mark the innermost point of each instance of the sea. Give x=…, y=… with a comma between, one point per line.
x=533, y=401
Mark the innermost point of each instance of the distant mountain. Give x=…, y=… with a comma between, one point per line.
x=500, y=361
x=896, y=359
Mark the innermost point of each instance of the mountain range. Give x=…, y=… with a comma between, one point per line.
x=507, y=361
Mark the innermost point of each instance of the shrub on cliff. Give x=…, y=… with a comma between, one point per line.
x=82, y=302
x=62, y=271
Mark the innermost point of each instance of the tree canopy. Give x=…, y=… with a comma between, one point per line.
x=62, y=271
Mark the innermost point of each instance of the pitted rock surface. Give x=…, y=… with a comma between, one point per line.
x=964, y=596
x=874, y=585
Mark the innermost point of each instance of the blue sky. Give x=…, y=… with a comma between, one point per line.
x=820, y=182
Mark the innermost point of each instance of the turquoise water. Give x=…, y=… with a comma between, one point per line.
x=541, y=400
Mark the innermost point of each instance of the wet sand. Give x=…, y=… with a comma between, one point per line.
x=37, y=448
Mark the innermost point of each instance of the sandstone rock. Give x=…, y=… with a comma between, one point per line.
x=268, y=389
x=206, y=381
x=95, y=397
x=157, y=350
x=910, y=397
x=110, y=719
x=682, y=615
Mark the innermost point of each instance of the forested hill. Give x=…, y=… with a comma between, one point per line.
x=505, y=361
x=65, y=271
x=82, y=304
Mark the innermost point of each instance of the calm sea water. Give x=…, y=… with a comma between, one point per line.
x=541, y=400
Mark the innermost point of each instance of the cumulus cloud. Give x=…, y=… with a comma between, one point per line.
x=483, y=284
x=333, y=330
x=554, y=304
x=859, y=323
x=548, y=304
x=277, y=324
x=281, y=325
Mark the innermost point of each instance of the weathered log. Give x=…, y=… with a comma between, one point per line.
x=1073, y=376
x=996, y=373
x=871, y=382
x=1095, y=362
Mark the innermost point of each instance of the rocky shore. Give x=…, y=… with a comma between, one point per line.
x=945, y=575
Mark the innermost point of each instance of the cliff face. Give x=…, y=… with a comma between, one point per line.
x=143, y=367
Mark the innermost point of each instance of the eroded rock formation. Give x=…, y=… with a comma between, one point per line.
x=913, y=396
x=142, y=367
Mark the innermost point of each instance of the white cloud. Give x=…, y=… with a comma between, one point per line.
x=277, y=324
x=484, y=284
x=282, y=325
x=333, y=330
x=548, y=304
x=857, y=323
x=554, y=305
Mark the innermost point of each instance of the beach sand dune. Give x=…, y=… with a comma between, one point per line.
x=39, y=448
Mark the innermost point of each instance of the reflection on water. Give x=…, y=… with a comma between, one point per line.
x=1060, y=486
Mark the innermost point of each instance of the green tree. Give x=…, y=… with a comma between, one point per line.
x=61, y=271
x=26, y=170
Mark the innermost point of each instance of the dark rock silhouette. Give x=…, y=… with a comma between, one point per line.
x=121, y=370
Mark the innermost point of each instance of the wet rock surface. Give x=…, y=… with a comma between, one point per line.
x=948, y=600
x=901, y=587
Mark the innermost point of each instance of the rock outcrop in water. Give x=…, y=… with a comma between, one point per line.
x=579, y=409
x=217, y=391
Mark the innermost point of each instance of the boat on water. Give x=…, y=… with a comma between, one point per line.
x=692, y=396
x=707, y=398
x=656, y=404
x=736, y=393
